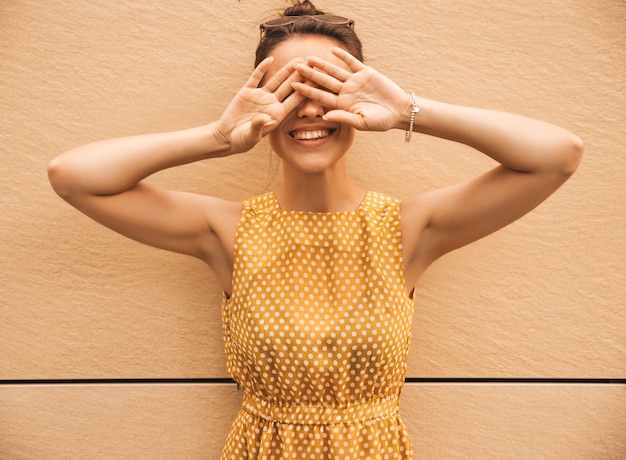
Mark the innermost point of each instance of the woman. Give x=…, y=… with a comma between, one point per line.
x=318, y=276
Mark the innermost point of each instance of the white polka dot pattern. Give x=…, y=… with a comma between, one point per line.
x=317, y=331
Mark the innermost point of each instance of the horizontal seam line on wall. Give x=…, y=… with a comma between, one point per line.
x=156, y=381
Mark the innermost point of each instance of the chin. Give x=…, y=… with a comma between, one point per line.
x=310, y=165
x=311, y=159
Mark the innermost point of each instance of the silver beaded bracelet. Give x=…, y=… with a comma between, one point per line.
x=414, y=110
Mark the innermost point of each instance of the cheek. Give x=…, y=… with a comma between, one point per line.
x=347, y=136
x=276, y=141
x=349, y=132
x=277, y=138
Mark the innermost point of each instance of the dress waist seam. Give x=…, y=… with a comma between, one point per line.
x=321, y=414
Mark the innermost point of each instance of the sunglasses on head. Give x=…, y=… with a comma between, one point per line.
x=287, y=20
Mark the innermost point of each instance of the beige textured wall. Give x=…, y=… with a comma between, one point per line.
x=543, y=299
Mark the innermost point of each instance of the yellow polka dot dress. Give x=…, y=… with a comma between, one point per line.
x=316, y=333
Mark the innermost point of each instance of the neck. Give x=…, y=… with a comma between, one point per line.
x=319, y=193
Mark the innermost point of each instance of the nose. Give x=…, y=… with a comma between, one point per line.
x=310, y=108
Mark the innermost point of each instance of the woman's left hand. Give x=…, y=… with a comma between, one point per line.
x=360, y=97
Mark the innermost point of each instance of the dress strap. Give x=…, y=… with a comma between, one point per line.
x=321, y=414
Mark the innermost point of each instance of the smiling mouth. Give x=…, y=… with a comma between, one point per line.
x=311, y=135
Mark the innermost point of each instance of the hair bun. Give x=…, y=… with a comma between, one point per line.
x=300, y=19
x=302, y=8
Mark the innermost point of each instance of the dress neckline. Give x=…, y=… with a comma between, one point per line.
x=362, y=204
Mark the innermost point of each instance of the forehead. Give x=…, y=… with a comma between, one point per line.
x=301, y=46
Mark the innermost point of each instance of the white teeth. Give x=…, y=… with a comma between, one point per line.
x=308, y=135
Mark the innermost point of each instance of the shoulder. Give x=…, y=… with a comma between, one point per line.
x=213, y=209
x=417, y=209
x=378, y=202
x=222, y=219
x=223, y=208
x=419, y=241
x=260, y=203
x=380, y=199
x=416, y=213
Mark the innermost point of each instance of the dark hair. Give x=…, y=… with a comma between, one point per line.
x=304, y=25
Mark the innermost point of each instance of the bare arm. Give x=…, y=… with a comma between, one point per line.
x=535, y=157
x=106, y=179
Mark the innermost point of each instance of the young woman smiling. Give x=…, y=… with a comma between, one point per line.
x=318, y=275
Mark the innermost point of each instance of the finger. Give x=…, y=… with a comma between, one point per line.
x=292, y=102
x=353, y=63
x=281, y=75
x=269, y=127
x=258, y=125
x=322, y=79
x=285, y=89
x=345, y=118
x=322, y=96
x=329, y=68
x=259, y=72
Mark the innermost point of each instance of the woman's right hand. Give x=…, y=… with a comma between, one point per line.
x=255, y=111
